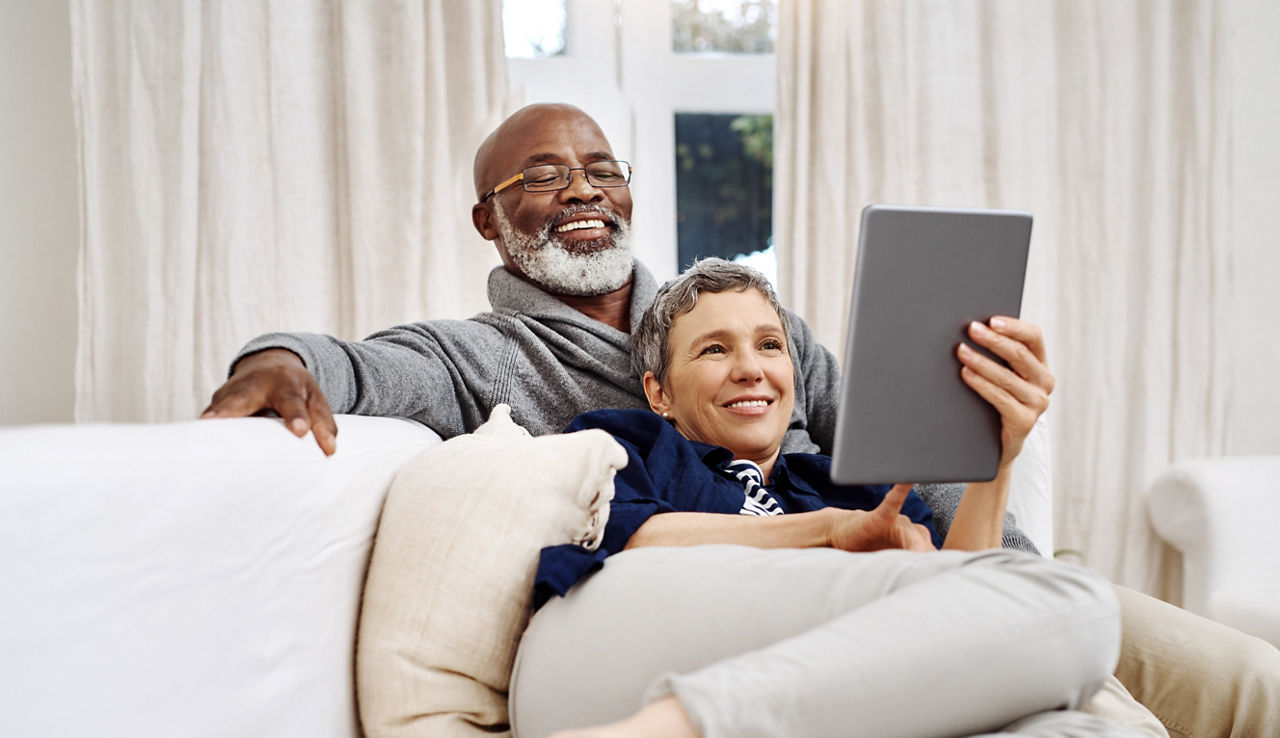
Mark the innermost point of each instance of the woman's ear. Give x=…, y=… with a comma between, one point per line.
x=657, y=397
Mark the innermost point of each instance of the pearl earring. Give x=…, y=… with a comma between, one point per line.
x=667, y=416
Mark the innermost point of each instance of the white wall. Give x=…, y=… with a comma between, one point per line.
x=1255, y=56
x=39, y=219
x=39, y=214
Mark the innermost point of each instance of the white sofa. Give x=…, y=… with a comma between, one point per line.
x=204, y=578
x=1221, y=513
x=187, y=579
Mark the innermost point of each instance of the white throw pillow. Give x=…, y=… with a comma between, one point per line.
x=450, y=580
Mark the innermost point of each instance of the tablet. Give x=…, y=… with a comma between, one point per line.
x=922, y=275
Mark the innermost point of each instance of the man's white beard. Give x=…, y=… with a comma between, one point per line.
x=547, y=263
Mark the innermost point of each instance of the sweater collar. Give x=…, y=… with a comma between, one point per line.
x=509, y=293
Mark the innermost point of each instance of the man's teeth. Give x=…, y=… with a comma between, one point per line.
x=578, y=225
x=748, y=403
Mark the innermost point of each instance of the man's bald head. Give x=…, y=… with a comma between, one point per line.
x=502, y=153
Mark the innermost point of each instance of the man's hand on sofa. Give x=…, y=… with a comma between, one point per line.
x=277, y=380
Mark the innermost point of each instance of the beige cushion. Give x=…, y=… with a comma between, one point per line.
x=451, y=576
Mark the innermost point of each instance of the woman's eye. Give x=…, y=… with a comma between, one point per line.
x=712, y=349
x=771, y=345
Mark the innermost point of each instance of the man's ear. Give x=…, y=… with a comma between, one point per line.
x=658, y=401
x=482, y=219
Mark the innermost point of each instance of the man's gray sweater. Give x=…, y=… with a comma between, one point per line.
x=546, y=360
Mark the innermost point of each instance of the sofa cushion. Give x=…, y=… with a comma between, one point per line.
x=450, y=582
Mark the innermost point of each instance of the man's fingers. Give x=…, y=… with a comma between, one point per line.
x=323, y=426
x=277, y=380
x=233, y=405
x=293, y=409
x=326, y=437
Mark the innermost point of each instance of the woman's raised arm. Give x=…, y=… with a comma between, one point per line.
x=1020, y=392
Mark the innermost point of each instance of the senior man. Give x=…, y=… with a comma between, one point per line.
x=554, y=199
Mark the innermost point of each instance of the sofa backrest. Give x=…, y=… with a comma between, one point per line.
x=196, y=579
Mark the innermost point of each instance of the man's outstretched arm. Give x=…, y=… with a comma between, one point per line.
x=277, y=380
x=440, y=373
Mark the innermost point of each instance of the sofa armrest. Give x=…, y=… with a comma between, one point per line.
x=1221, y=514
x=198, y=578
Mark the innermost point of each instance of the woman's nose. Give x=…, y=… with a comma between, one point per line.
x=746, y=368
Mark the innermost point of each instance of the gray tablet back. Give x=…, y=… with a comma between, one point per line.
x=922, y=275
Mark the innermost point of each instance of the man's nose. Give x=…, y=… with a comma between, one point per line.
x=580, y=189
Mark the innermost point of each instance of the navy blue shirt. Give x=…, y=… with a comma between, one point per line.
x=667, y=472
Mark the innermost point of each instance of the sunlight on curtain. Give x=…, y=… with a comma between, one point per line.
x=1110, y=122
x=267, y=166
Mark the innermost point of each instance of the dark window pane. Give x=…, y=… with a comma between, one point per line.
x=724, y=185
x=533, y=29
x=725, y=26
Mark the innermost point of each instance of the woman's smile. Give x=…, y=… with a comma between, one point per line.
x=749, y=406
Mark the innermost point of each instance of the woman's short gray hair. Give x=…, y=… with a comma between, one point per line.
x=650, y=349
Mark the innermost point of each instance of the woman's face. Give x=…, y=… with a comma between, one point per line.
x=730, y=382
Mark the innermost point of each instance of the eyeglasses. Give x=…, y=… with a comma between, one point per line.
x=552, y=177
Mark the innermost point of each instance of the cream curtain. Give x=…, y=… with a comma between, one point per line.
x=1110, y=122
x=248, y=167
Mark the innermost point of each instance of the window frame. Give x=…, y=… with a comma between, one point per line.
x=619, y=67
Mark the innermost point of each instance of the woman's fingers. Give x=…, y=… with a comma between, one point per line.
x=1014, y=411
x=901, y=531
x=910, y=535
x=1027, y=334
x=893, y=500
x=998, y=384
x=1027, y=379
x=1020, y=344
x=920, y=538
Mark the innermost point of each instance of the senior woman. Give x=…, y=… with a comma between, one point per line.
x=827, y=610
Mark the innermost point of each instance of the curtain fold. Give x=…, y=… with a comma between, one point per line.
x=1110, y=122
x=267, y=166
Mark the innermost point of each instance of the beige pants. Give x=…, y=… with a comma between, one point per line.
x=819, y=642
x=1200, y=678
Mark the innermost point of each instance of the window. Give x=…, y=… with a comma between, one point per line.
x=731, y=26
x=724, y=186
x=620, y=64
x=533, y=29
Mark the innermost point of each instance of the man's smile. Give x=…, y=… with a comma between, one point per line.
x=579, y=225
x=583, y=230
x=583, y=223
